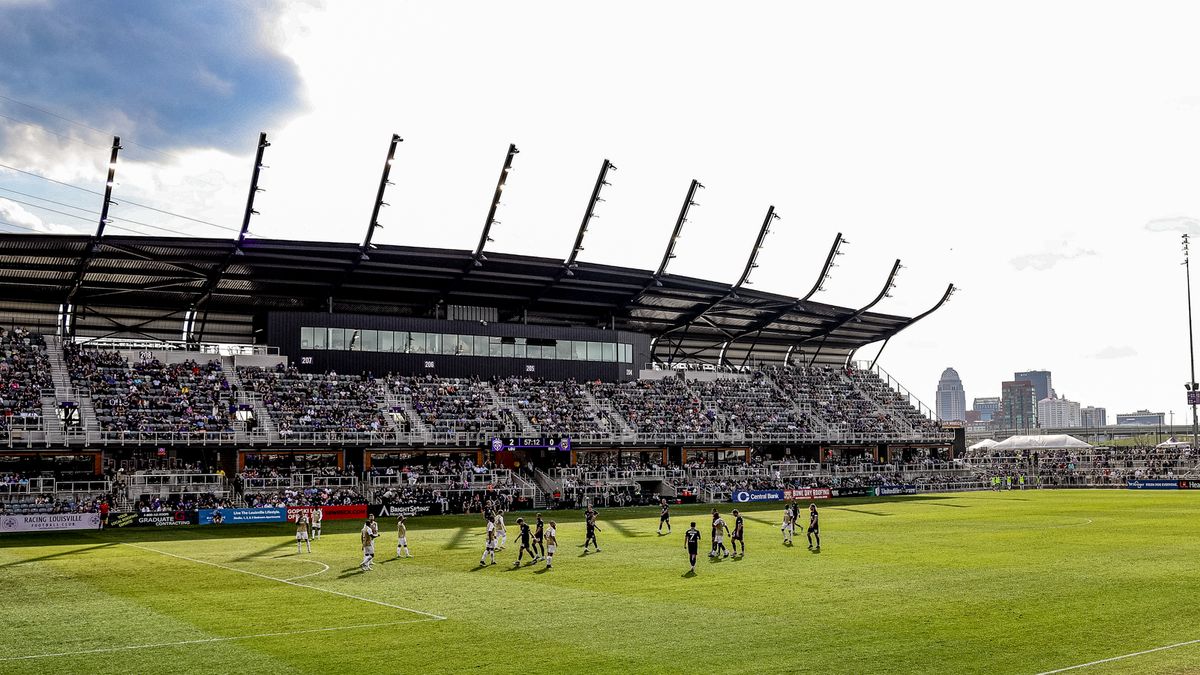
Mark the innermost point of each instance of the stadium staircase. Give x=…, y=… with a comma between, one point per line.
x=901, y=421
x=509, y=404
x=802, y=409
x=415, y=423
x=610, y=413
x=546, y=486
x=266, y=426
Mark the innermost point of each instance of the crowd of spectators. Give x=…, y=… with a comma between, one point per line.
x=1090, y=466
x=752, y=406
x=448, y=406
x=149, y=396
x=553, y=407
x=665, y=406
x=24, y=372
x=313, y=403
x=833, y=399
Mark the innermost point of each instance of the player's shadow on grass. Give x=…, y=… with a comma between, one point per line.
x=543, y=570
x=351, y=572
x=688, y=574
x=869, y=513
x=460, y=534
x=51, y=556
x=625, y=531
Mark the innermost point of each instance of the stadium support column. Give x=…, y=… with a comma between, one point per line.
x=210, y=285
x=94, y=242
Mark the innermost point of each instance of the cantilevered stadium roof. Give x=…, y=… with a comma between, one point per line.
x=132, y=286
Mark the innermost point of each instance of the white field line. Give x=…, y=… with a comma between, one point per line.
x=324, y=567
x=311, y=574
x=289, y=582
x=103, y=650
x=1123, y=656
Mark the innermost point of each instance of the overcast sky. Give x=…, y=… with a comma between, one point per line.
x=1042, y=156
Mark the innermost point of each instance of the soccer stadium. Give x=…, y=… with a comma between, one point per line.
x=254, y=453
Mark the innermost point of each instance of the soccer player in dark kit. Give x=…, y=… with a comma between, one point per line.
x=664, y=517
x=814, y=527
x=739, y=532
x=539, y=534
x=524, y=538
x=691, y=540
x=592, y=529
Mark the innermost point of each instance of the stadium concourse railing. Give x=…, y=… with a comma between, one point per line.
x=260, y=437
x=458, y=482
x=167, y=485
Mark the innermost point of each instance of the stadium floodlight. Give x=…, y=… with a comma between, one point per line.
x=491, y=216
x=588, y=215
x=688, y=203
x=384, y=182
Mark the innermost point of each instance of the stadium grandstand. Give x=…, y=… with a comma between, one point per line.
x=176, y=373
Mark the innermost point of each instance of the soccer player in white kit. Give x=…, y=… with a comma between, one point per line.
x=501, y=533
x=315, y=525
x=302, y=532
x=489, y=548
x=551, y=543
x=368, y=534
x=402, y=538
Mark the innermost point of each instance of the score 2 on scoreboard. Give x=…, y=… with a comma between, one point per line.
x=536, y=443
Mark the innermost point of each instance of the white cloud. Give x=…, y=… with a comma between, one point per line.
x=12, y=213
x=1044, y=261
x=1113, y=352
x=1177, y=224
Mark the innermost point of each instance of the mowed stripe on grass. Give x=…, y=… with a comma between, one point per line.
x=1014, y=582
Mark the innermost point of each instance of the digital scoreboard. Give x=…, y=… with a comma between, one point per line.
x=535, y=443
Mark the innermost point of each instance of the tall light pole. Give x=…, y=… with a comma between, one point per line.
x=1192, y=387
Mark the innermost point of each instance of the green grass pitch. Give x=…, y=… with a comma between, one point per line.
x=1012, y=582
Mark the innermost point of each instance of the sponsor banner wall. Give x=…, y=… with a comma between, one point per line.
x=808, y=493
x=890, y=490
x=406, y=510
x=152, y=519
x=749, y=496
x=239, y=516
x=1157, y=485
x=340, y=512
x=46, y=522
x=851, y=492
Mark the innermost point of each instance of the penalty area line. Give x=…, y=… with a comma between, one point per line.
x=1121, y=657
x=289, y=582
x=201, y=641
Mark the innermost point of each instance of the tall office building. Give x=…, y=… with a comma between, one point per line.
x=1092, y=417
x=987, y=407
x=1017, y=407
x=951, y=399
x=1057, y=413
x=1041, y=382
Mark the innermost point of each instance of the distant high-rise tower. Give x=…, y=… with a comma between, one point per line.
x=1041, y=382
x=951, y=399
x=988, y=407
x=1017, y=407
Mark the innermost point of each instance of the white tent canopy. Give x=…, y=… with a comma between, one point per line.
x=1171, y=443
x=985, y=444
x=1048, y=442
